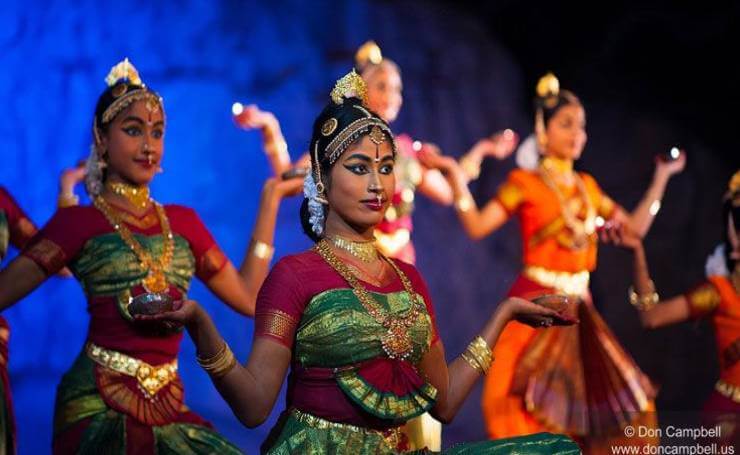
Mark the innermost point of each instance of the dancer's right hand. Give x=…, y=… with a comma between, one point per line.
x=252, y=117
x=279, y=188
x=532, y=314
x=620, y=234
x=71, y=177
x=445, y=164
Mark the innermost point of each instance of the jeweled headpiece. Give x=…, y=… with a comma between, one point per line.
x=733, y=189
x=350, y=85
x=125, y=87
x=368, y=54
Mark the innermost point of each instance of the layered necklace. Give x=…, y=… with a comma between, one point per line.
x=156, y=280
x=396, y=341
x=582, y=229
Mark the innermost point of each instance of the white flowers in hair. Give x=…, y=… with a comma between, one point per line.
x=716, y=264
x=94, y=173
x=528, y=153
x=315, y=206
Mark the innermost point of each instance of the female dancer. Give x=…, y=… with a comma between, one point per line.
x=357, y=329
x=15, y=229
x=123, y=391
x=578, y=379
x=718, y=298
x=384, y=87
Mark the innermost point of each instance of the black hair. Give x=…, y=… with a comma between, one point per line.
x=730, y=211
x=551, y=104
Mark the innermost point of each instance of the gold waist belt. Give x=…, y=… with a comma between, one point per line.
x=392, y=436
x=728, y=390
x=565, y=282
x=150, y=378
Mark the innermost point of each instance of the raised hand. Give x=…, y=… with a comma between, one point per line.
x=670, y=167
x=252, y=117
x=501, y=144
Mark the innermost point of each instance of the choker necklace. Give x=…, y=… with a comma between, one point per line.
x=362, y=250
x=138, y=196
x=557, y=165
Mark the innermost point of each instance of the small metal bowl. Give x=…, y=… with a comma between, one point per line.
x=150, y=303
x=557, y=302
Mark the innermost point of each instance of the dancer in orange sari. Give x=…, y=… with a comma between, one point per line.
x=577, y=380
x=717, y=298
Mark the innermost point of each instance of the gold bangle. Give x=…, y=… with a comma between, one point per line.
x=220, y=363
x=67, y=200
x=464, y=203
x=262, y=250
x=478, y=355
x=473, y=363
x=643, y=302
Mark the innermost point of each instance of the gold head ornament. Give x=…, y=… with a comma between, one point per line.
x=734, y=186
x=123, y=70
x=548, y=86
x=350, y=85
x=368, y=53
x=733, y=190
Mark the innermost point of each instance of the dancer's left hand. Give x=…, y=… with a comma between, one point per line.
x=534, y=315
x=183, y=313
x=670, y=167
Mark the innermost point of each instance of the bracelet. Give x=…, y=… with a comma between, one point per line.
x=478, y=355
x=67, y=200
x=464, y=203
x=643, y=302
x=261, y=249
x=220, y=363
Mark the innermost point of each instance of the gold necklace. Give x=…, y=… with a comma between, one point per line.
x=362, y=250
x=396, y=342
x=156, y=280
x=582, y=229
x=558, y=165
x=138, y=196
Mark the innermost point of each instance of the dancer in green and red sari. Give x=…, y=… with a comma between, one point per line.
x=16, y=229
x=357, y=329
x=123, y=391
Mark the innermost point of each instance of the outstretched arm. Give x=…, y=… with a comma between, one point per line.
x=239, y=288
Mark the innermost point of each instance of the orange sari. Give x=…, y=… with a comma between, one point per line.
x=577, y=380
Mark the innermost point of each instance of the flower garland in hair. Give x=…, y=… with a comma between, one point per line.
x=315, y=204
